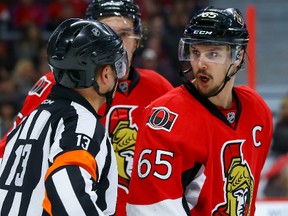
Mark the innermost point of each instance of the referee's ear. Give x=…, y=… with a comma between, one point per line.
x=106, y=77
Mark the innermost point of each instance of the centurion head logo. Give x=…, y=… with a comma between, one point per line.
x=239, y=182
x=122, y=133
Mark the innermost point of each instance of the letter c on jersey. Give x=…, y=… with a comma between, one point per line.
x=254, y=135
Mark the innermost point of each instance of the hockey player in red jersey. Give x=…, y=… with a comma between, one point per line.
x=135, y=91
x=201, y=147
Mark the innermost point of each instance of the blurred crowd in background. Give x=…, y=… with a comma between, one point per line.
x=276, y=177
x=25, y=26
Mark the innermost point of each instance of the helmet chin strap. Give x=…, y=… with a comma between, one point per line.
x=108, y=95
x=184, y=74
x=226, y=79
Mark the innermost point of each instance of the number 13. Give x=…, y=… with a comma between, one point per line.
x=22, y=156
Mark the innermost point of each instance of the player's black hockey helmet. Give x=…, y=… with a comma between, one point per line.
x=215, y=26
x=218, y=26
x=78, y=48
x=106, y=8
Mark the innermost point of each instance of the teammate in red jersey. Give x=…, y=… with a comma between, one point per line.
x=135, y=91
x=201, y=147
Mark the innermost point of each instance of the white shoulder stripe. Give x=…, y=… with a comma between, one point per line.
x=86, y=124
x=55, y=147
x=27, y=125
x=39, y=124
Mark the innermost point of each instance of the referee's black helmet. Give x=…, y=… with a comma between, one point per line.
x=78, y=48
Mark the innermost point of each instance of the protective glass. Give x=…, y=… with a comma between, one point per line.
x=121, y=64
x=188, y=51
x=127, y=33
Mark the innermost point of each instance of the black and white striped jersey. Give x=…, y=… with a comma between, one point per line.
x=58, y=161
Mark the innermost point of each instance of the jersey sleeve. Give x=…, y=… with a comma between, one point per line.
x=156, y=185
x=36, y=95
x=72, y=179
x=78, y=181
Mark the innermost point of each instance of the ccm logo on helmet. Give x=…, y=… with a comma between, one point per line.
x=198, y=32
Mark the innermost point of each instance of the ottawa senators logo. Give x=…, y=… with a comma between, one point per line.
x=239, y=182
x=162, y=118
x=122, y=133
x=40, y=87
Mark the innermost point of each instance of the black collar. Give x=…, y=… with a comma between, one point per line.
x=211, y=107
x=62, y=92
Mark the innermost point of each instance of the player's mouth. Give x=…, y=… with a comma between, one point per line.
x=202, y=78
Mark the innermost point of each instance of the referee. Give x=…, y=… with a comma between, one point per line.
x=58, y=161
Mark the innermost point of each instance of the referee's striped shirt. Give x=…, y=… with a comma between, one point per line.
x=58, y=161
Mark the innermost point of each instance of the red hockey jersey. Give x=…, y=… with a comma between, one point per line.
x=191, y=160
x=131, y=97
